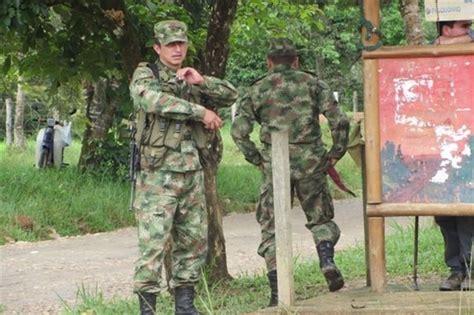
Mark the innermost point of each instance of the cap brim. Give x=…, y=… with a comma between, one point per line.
x=175, y=39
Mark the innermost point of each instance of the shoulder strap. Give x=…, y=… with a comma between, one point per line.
x=155, y=69
x=258, y=79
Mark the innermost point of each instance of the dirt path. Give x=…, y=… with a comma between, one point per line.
x=37, y=277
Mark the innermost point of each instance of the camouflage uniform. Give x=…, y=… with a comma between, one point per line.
x=287, y=98
x=170, y=200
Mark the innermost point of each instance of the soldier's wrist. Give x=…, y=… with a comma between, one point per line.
x=199, y=111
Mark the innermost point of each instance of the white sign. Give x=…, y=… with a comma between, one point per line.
x=449, y=10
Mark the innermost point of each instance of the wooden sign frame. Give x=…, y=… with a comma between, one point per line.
x=377, y=209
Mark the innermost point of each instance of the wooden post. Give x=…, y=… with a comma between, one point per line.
x=282, y=206
x=372, y=132
x=377, y=253
x=376, y=226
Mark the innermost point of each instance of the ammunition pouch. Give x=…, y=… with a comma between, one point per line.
x=151, y=158
x=157, y=135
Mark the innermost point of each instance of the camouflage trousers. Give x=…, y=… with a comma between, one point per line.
x=316, y=201
x=170, y=205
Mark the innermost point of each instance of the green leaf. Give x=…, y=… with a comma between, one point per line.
x=7, y=65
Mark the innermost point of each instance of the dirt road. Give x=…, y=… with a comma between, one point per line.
x=37, y=277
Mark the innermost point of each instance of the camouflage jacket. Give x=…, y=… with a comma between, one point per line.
x=169, y=98
x=290, y=99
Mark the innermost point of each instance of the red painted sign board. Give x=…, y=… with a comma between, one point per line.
x=427, y=129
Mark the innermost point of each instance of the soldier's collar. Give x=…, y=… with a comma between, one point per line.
x=281, y=67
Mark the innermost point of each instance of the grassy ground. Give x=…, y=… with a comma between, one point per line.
x=40, y=204
x=251, y=292
x=37, y=204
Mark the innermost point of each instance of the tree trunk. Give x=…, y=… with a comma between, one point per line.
x=9, y=121
x=19, y=134
x=410, y=12
x=218, y=32
x=215, y=58
x=100, y=114
x=121, y=26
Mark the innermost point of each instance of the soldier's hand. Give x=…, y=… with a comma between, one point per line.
x=190, y=75
x=211, y=120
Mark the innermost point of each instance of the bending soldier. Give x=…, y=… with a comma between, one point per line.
x=287, y=98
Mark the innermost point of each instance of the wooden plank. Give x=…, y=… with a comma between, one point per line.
x=420, y=51
x=377, y=253
x=372, y=132
x=420, y=209
x=282, y=206
x=371, y=14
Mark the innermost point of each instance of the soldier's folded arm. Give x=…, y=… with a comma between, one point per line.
x=222, y=92
x=241, y=129
x=148, y=95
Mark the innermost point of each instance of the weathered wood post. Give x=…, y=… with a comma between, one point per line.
x=376, y=225
x=282, y=207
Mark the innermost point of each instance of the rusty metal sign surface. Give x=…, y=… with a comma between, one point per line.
x=426, y=129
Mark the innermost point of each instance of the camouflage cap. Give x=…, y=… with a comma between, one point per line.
x=170, y=31
x=281, y=47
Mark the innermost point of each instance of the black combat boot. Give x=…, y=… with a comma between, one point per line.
x=184, y=301
x=328, y=267
x=272, y=278
x=453, y=282
x=147, y=303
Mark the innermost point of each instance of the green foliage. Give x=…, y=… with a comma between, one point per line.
x=259, y=21
x=110, y=156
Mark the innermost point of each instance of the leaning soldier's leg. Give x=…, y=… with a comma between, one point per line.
x=190, y=231
x=266, y=219
x=155, y=205
x=316, y=201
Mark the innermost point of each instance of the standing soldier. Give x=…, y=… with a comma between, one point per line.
x=171, y=122
x=458, y=232
x=290, y=99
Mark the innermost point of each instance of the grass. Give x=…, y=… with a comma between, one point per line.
x=38, y=204
x=41, y=204
x=249, y=293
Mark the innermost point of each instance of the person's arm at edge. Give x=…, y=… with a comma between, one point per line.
x=338, y=122
x=241, y=129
